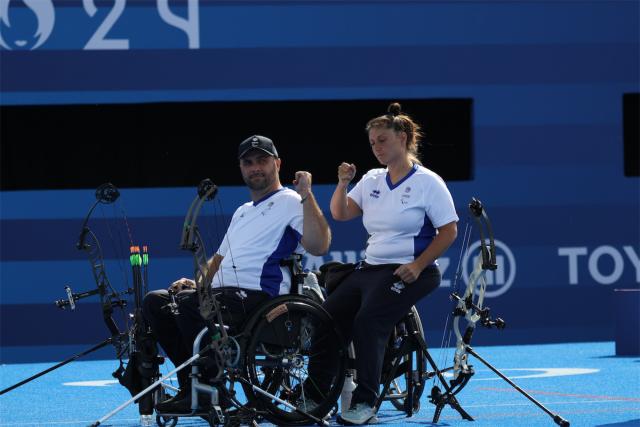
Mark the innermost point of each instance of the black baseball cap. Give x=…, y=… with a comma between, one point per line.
x=258, y=142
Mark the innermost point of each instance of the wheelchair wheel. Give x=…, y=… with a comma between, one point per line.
x=164, y=421
x=285, y=337
x=160, y=395
x=413, y=366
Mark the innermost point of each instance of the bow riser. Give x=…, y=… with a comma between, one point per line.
x=191, y=240
x=470, y=305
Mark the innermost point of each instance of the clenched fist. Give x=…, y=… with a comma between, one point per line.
x=303, y=183
x=346, y=172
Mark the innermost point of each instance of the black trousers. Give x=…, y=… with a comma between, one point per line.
x=366, y=306
x=176, y=333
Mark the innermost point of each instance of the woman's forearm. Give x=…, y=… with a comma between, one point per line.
x=446, y=236
x=339, y=203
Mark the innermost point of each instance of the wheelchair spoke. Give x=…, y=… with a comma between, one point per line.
x=281, y=346
x=316, y=387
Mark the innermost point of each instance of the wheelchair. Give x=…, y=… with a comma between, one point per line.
x=268, y=357
x=404, y=370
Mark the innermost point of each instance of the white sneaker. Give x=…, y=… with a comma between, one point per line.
x=359, y=414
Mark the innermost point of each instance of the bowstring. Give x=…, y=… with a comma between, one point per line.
x=233, y=261
x=218, y=222
x=136, y=292
x=448, y=329
x=216, y=213
x=119, y=257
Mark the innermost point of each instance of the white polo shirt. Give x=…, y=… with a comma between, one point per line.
x=401, y=219
x=260, y=235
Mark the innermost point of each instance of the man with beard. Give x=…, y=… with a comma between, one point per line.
x=246, y=267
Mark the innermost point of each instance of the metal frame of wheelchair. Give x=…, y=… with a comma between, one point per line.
x=404, y=371
x=268, y=358
x=405, y=361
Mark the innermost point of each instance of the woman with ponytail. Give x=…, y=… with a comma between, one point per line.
x=411, y=220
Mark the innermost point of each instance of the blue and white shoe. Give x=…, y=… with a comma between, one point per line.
x=359, y=414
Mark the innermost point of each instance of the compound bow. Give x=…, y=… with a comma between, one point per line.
x=109, y=297
x=134, y=342
x=192, y=241
x=470, y=306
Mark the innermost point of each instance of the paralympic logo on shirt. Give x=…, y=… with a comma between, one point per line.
x=498, y=281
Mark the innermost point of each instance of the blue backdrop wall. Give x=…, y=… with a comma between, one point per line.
x=546, y=78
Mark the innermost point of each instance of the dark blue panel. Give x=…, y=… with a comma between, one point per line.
x=543, y=314
x=55, y=239
x=277, y=23
x=585, y=145
x=531, y=316
x=318, y=67
x=48, y=240
x=45, y=324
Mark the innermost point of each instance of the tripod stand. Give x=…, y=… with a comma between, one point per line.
x=414, y=346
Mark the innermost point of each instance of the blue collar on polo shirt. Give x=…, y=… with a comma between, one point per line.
x=266, y=196
x=411, y=172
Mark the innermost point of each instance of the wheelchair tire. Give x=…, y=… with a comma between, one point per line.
x=417, y=362
x=277, y=354
x=164, y=421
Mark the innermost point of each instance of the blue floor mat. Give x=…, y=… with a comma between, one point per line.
x=584, y=383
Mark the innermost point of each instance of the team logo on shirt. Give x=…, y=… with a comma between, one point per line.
x=407, y=190
x=269, y=206
x=404, y=199
x=375, y=194
x=397, y=287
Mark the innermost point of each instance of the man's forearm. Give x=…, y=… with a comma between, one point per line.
x=212, y=267
x=316, y=236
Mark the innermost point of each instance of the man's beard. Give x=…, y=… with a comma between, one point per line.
x=258, y=183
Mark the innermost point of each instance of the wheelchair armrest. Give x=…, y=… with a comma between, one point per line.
x=293, y=262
